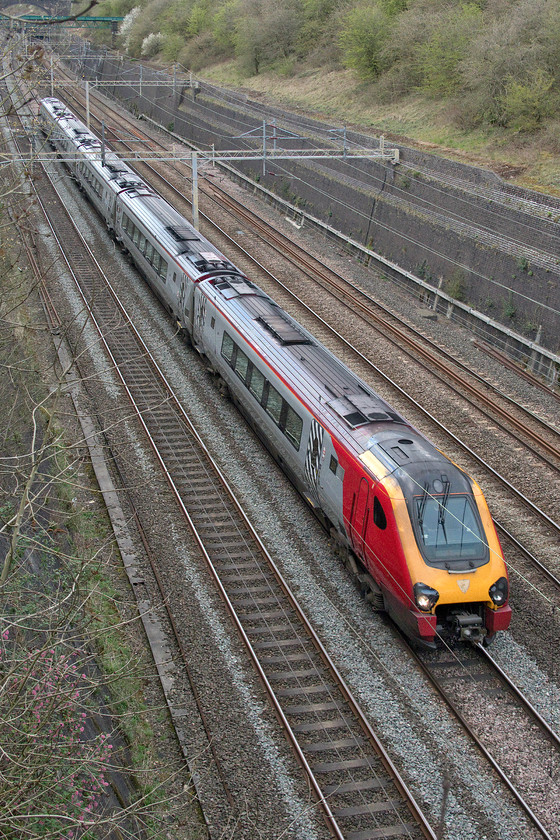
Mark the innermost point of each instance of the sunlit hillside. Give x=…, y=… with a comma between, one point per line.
x=481, y=77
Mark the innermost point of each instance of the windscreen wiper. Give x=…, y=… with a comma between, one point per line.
x=422, y=506
x=443, y=507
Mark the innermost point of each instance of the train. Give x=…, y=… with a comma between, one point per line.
x=413, y=525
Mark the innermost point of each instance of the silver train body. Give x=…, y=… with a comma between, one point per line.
x=417, y=524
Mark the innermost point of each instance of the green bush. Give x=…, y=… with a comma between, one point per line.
x=439, y=57
x=363, y=38
x=526, y=104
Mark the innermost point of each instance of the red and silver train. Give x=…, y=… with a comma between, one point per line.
x=415, y=522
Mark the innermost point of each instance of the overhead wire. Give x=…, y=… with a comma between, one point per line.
x=245, y=143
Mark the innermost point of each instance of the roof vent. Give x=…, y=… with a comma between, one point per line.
x=285, y=331
x=360, y=409
x=182, y=234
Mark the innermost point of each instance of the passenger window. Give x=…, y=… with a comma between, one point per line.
x=227, y=349
x=136, y=236
x=256, y=385
x=149, y=252
x=241, y=364
x=141, y=242
x=293, y=427
x=163, y=270
x=333, y=465
x=274, y=404
x=379, y=514
x=156, y=262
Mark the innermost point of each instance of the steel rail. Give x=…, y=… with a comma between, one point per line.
x=399, y=782
x=520, y=696
x=468, y=729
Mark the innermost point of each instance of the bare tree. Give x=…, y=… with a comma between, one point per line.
x=65, y=765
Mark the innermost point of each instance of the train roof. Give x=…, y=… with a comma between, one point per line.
x=363, y=420
x=114, y=171
x=192, y=251
x=334, y=391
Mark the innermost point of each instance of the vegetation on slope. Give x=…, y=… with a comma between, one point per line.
x=487, y=68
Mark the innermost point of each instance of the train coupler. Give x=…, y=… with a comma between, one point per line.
x=467, y=626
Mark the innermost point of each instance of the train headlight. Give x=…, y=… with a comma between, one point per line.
x=499, y=592
x=425, y=596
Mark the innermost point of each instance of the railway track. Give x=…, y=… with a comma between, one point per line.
x=523, y=749
x=356, y=785
x=248, y=592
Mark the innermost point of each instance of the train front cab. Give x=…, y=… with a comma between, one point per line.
x=465, y=603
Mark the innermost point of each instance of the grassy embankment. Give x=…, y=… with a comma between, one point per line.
x=416, y=120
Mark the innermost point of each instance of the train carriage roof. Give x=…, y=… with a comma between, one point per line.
x=336, y=396
x=334, y=393
x=194, y=253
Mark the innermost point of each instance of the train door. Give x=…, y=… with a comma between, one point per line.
x=359, y=517
x=199, y=318
x=182, y=311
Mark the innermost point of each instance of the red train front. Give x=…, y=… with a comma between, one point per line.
x=423, y=531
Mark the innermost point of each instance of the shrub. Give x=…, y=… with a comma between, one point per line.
x=151, y=44
x=525, y=104
x=439, y=56
x=363, y=38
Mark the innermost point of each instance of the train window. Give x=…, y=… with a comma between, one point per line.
x=174, y=276
x=149, y=251
x=241, y=364
x=163, y=270
x=274, y=404
x=379, y=514
x=141, y=243
x=212, y=322
x=333, y=465
x=256, y=385
x=448, y=528
x=293, y=426
x=228, y=347
x=136, y=236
